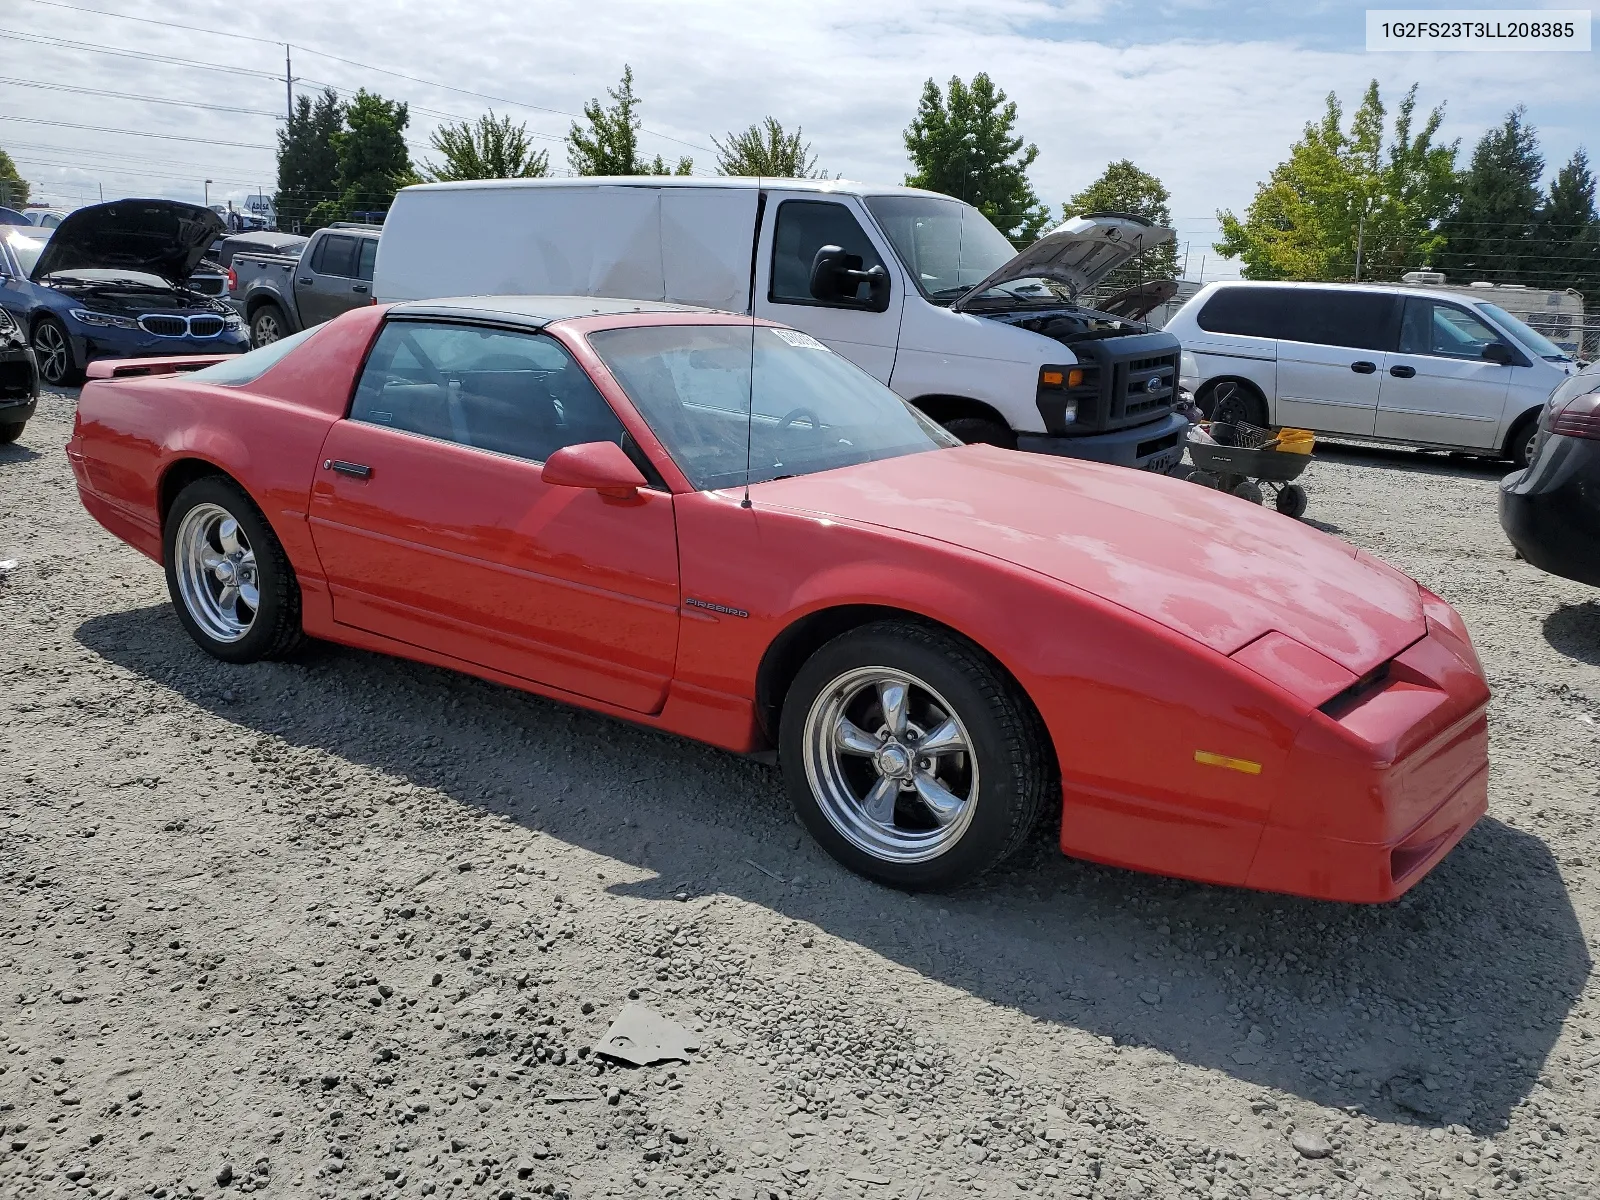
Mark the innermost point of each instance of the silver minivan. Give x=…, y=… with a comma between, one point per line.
x=1388, y=362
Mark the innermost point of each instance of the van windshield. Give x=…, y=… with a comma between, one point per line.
x=803, y=409
x=1531, y=338
x=946, y=245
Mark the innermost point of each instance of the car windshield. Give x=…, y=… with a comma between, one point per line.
x=804, y=409
x=946, y=245
x=1529, y=337
x=27, y=249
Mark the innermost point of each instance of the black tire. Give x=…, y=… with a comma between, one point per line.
x=1180, y=470
x=274, y=630
x=978, y=431
x=11, y=431
x=267, y=325
x=1248, y=490
x=1292, y=500
x=1206, y=479
x=52, y=350
x=1229, y=403
x=1519, y=442
x=1015, y=770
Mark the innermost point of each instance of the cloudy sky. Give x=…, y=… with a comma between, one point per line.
x=1208, y=95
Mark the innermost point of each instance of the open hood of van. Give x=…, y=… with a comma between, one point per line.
x=156, y=237
x=1078, y=253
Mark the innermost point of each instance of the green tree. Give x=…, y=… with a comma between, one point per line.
x=374, y=163
x=13, y=187
x=966, y=147
x=1569, y=230
x=489, y=148
x=308, y=160
x=1124, y=188
x=1343, y=190
x=610, y=145
x=1494, y=230
x=766, y=149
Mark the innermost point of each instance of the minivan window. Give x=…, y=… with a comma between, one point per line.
x=1337, y=317
x=336, y=256
x=804, y=227
x=1245, y=311
x=1437, y=328
x=1526, y=334
x=945, y=245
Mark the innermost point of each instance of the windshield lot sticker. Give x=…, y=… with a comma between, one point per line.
x=803, y=340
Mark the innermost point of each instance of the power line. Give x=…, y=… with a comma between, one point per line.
x=169, y=137
x=166, y=24
x=66, y=87
x=93, y=48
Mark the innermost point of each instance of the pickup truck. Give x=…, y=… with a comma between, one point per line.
x=280, y=294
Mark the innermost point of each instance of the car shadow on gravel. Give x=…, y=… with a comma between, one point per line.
x=1427, y=462
x=17, y=453
x=1440, y=1008
x=1574, y=630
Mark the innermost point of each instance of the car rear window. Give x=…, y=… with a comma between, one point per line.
x=247, y=368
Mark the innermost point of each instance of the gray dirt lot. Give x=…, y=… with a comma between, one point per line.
x=347, y=927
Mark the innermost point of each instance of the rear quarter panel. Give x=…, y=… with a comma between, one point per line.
x=131, y=432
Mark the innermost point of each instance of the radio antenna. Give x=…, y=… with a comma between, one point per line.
x=750, y=411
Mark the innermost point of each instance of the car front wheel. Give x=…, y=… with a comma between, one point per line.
x=911, y=757
x=228, y=575
x=53, y=351
x=267, y=326
x=11, y=431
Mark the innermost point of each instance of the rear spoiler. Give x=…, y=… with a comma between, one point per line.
x=131, y=368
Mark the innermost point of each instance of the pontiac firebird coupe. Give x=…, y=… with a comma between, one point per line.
x=723, y=529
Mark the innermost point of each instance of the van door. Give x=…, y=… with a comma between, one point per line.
x=796, y=227
x=1331, y=345
x=1438, y=387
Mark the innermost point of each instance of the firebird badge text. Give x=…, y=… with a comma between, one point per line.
x=717, y=608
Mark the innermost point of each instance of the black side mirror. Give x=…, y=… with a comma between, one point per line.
x=1499, y=353
x=837, y=276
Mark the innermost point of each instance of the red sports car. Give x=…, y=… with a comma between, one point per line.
x=723, y=529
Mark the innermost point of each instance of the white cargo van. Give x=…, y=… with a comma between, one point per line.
x=916, y=288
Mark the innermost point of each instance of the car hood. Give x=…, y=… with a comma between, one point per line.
x=1078, y=253
x=157, y=237
x=1210, y=566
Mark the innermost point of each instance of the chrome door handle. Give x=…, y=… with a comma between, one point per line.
x=357, y=470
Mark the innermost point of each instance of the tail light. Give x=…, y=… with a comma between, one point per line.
x=1579, y=417
x=233, y=280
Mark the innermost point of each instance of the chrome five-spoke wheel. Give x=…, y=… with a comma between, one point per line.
x=216, y=572
x=53, y=353
x=891, y=764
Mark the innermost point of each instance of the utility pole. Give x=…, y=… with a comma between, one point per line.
x=288, y=85
x=1361, y=228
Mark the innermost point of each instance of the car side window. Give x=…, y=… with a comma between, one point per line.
x=512, y=393
x=365, y=260
x=1244, y=311
x=1337, y=317
x=336, y=255
x=1443, y=330
x=803, y=227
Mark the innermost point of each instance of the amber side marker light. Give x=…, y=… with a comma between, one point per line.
x=1208, y=759
x=1072, y=378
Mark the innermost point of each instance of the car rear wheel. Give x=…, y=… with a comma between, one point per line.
x=11, y=431
x=267, y=326
x=1521, y=441
x=53, y=351
x=228, y=575
x=911, y=757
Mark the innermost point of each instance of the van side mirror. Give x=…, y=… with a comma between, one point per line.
x=837, y=276
x=602, y=466
x=1499, y=353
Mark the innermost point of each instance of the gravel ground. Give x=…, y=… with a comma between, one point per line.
x=348, y=926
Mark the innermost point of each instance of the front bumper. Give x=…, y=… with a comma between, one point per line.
x=1157, y=446
x=88, y=347
x=1551, y=511
x=19, y=384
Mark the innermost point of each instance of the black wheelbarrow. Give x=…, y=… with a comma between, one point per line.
x=1244, y=460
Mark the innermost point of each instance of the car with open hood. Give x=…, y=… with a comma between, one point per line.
x=917, y=289
x=717, y=527
x=114, y=281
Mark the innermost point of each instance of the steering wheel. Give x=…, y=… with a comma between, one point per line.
x=796, y=414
